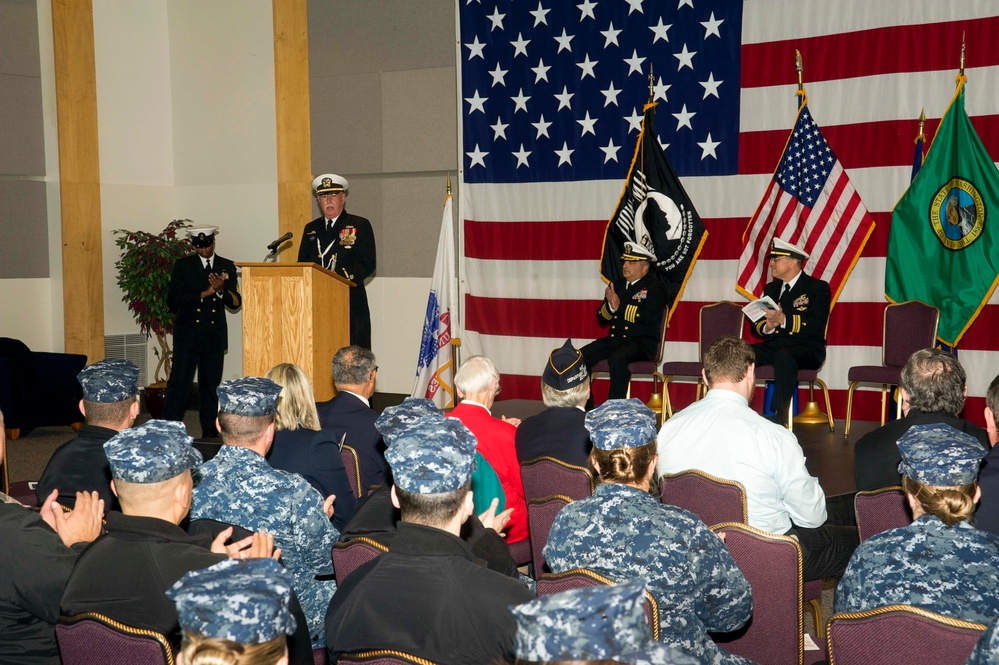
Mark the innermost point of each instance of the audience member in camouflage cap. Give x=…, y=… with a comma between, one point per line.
x=940, y=562
x=623, y=532
x=432, y=460
x=110, y=404
x=125, y=574
x=431, y=456
x=154, y=451
x=109, y=380
x=621, y=423
x=394, y=419
x=242, y=602
x=558, y=431
x=597, y=623
x=239, y=487
x=939, y=455
x=250, y=396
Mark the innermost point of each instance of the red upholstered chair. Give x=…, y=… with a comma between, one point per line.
x=581, y=578
x=719, y=319
x=88, y=638
x=881, y=509
x=382, y=657
x=353, y=466
x=349, y=556
x=23, y=491
x=545, y=476
x=908, y=327
x=320, y=656
x=900, y=634
x=647, y=368
x=540, y=517
x=772, y=565
x=712, y=499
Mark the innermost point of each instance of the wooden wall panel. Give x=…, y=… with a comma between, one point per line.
x=79, y=175
x=291, y=88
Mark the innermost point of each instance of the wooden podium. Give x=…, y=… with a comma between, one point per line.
x=295, y=313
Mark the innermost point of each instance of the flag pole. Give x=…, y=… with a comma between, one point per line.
x=811, y=414
x=455, y=340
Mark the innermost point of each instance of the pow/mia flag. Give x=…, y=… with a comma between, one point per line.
x=654, y=210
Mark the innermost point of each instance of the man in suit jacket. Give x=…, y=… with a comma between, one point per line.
x=345, y=244
x=350, y=412
x=794, y=334
x=933, y=388
x=558, y=431
x=201, y=287
x=634, y=308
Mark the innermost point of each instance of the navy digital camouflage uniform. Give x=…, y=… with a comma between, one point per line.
x=239, y=487
x=596, y=623
x=624, y=533
x=946, y=569
x=986, y=652
x=243, y=601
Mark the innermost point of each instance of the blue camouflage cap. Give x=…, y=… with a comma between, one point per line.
x=241, y=600
x=248, y=396
x=109, y=380
x=583, y=624
x=394, y=419
x=155, y=451
x=621, y=423
x=432, y=455
x=939, y=455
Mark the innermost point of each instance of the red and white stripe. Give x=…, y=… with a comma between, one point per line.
x=531, y=253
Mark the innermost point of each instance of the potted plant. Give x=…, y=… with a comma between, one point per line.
x=144, y=270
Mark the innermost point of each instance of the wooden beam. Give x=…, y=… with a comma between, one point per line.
x=79, y=176
x=294, y=148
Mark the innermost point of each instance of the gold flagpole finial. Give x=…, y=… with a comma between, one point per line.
x=449, y=181
x=922, y=120
x=652, y=83
x=798, y=67
x=962, y=54
x=800, y=94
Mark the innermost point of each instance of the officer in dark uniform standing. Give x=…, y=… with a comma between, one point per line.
x=201, y=287
x=345, y=244
x=633, y=307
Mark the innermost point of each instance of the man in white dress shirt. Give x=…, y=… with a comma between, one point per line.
x=723, y=436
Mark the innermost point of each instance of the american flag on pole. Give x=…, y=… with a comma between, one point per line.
x=435, y=368
x=812, y=203
x=551, y=98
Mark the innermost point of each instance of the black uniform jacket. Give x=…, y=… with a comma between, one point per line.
x=201, y=323
x=639, y=313
x=806, y=311
x=80, y=465
x=555, y=432
x=34, y=567
x=429, y=597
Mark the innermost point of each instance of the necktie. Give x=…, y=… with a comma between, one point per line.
x=783, y=294
x=208, y=267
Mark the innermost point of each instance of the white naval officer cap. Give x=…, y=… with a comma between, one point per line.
x=329, y=183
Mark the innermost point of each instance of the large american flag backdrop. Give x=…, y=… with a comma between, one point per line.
x=551, y=102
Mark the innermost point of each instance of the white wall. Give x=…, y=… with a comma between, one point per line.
x=224, y=145
x=186, y=122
